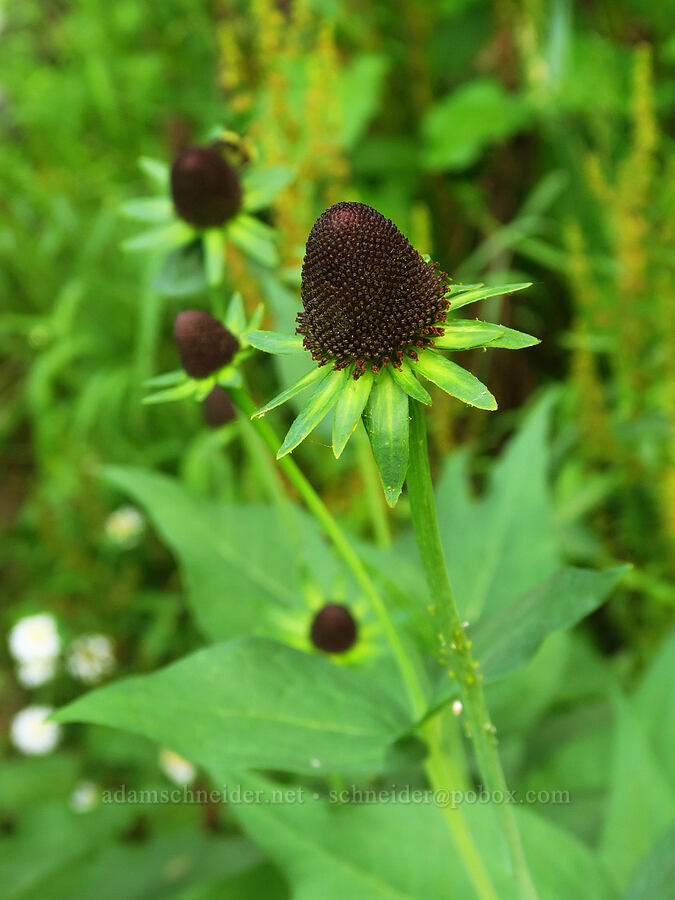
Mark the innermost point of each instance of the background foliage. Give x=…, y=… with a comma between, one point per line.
x=513, y=142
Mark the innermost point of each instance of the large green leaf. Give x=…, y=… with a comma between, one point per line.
x=350, y=403
x=387, y=424
x=238, y=561
x=655, y=876
x=254, y=703
x=401, y=849
x=502, y=544
x=654, y=706
x=453, y=379
x=313, y=412
x=641, y=806
x=509, y=638
x=458, y=127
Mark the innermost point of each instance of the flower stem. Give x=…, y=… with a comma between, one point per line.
x=455, y=645
x=441, y=772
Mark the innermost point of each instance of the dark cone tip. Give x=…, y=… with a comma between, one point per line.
x=368, y=296
x=204, y=344
x=206, y=190
x=218, y=408
x=333, y=629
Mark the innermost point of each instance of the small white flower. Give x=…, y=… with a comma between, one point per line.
x=32, y=673
x=32, y=734
x=85, y=797
x=34, y=637
x=125, y=526
x=179, y=770
x=91, y=657
x=457, y=708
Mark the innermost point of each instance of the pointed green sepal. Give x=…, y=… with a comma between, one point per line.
x=386, y=421
x=511, y=339
x=275, y=342
x=147, y=209
x=156, y=170
x=405, y=378
x=460, y=288
x=465, y=334
x=312, y=377
x=164, y=238
x=166, y=379
x=178, y=392
x=261, y=186
x=255, y=238
x=481, y=293
x=350, y=404
x=317, y=407
x=235, y=317
x=454, y=380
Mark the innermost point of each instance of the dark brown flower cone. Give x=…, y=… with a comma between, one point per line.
x=333, y=629
x=204, y=344
x=205, y=188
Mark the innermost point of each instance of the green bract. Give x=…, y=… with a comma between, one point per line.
x=381, y=398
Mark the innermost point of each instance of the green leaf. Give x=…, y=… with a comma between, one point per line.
x=656, y=875
x=166, y=379
x=406, y=380
x=508, y=639
x=654, y=705
x=454, y=380
x=482, y=293
x=350, y=403
x=503, y=543
x=156, y=170
x=253, y=703
x=359, y=89
x=514, y=340
x=148, y=209
x=164, y=238
x=314, y=375
x=235, y=318
x=365, y=851
x=214, y=256
x=313, y=412
x=239, y=562
x=387, y=424
x=275, y=341
x=640, y=806
x=466, y=334
x=255, y=238
x=182, y=271
x=261, y=186
x=458, y=127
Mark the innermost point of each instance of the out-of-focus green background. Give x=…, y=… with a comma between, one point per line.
x=513, y=141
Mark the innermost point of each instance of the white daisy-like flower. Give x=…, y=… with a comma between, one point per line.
x=176, y=768
x=32, y=734
x=85, y=797
x=125, y=526
x=31, y=673
x=91, y=658
x=35, y=637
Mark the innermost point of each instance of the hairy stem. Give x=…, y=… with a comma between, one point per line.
x=455, y=645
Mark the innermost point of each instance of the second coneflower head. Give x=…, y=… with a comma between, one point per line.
x=205, y=188
x=375, y=316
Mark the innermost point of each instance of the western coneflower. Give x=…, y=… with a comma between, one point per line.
x=208, y=196
x=375, y=316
